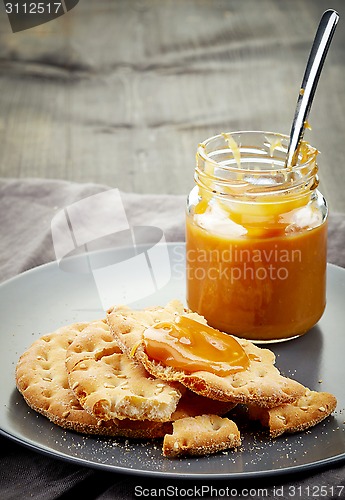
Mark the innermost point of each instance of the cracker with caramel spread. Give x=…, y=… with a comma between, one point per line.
x=259, y=383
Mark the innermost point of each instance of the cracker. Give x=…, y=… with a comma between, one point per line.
x=41, y=378
x=307, y=411
x=260, y=383
x=201, y=435
x=108, y=384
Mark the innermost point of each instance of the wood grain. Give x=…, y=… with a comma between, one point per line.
x=120, y=93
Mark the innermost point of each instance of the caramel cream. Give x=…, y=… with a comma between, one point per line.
x=192, y=346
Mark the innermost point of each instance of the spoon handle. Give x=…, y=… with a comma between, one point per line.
x=311, y=77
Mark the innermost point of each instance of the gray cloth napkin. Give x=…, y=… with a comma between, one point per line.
x=27, y=208
x=26, y=211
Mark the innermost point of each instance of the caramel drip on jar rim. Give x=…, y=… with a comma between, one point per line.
x=191, y=346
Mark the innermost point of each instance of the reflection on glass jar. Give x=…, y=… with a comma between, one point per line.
x=256, y=237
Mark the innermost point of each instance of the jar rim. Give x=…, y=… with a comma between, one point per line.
x=310, y=153
x=220, y=164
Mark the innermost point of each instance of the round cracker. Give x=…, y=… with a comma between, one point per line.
x=41, y=378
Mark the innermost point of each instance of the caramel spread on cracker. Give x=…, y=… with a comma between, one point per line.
x=193, y=346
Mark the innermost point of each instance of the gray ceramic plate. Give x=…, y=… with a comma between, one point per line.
x=45, y=298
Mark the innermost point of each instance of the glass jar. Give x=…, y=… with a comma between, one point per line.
x=256, y=237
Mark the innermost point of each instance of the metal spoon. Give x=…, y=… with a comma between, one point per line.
x=311, y=77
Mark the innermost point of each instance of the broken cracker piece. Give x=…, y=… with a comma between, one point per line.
x=201, y=435
x=305, y=412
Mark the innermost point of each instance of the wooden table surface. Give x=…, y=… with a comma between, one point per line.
x=120, y=92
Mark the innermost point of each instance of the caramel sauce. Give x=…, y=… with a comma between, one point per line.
x=193, y=346
x=254, y=357
x=237, y=300
x=232, y=144
x=274, y=142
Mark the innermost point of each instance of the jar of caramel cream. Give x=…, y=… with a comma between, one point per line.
x=256, y=237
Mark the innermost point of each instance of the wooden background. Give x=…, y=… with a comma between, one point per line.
x=120, y=92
